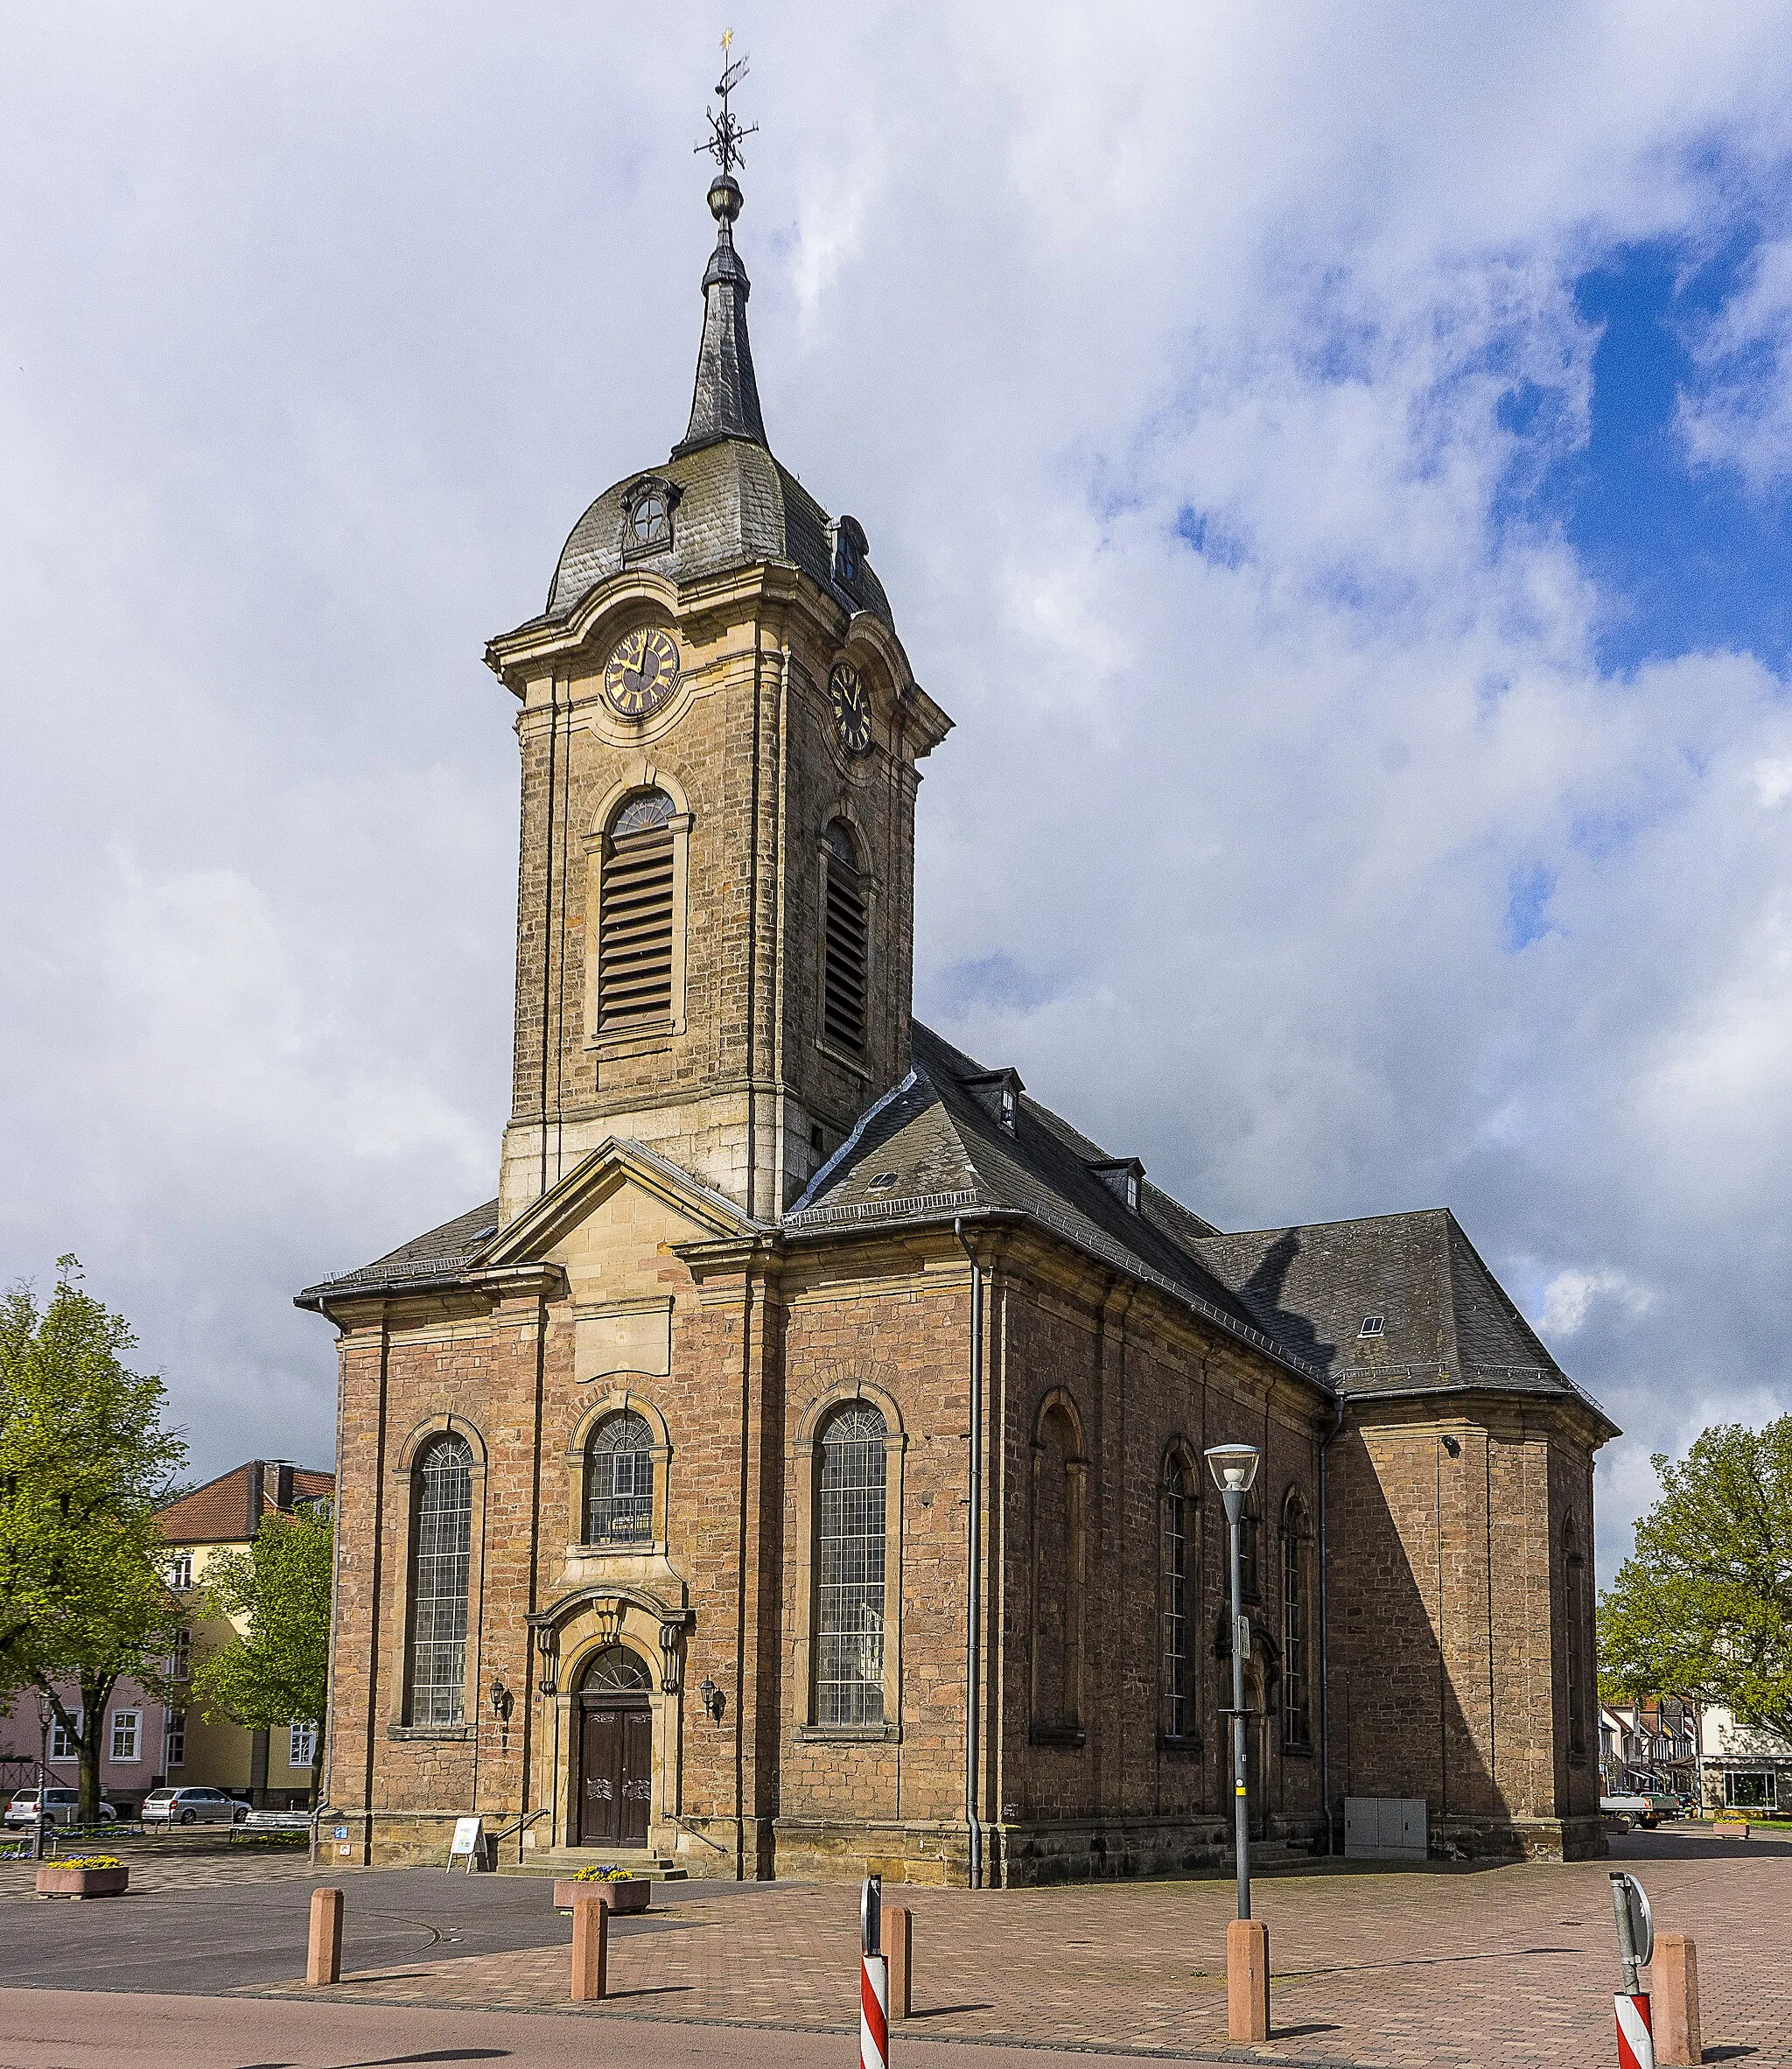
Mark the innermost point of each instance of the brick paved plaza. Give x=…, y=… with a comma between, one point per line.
x=1511, y=1965
x=1449, y=1964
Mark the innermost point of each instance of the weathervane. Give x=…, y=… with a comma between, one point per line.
x=725, y=134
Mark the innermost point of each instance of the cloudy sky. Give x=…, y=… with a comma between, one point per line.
x=1335, y=462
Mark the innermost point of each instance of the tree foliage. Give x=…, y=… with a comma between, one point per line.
x=277, y=1670
x=1703, y=1606
x=84, y=1464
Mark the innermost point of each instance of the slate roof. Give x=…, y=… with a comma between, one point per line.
x=1444, y=1320
x=218, y=1512
x=438, y=1253
x=936, y=1147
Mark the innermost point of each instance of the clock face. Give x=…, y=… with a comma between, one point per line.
x=642, y=672
x=852, y=707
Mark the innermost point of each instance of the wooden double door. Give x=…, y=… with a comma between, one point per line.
x=616, y=1755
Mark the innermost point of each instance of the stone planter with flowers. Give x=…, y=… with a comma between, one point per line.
x=617, y=1889
x=88, y=1874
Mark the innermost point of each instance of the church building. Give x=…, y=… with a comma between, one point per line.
x=797, y=1467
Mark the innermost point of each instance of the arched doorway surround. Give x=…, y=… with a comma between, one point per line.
x=615, y=1749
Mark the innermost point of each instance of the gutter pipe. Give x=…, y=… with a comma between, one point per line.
x=973, y=1620
x=1325, y=1638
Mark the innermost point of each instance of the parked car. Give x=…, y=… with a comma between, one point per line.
x=62, y=1808
x=192, y=1807
x=1645, y=1807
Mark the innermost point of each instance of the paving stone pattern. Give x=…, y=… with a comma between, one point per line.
x=1512, y=1967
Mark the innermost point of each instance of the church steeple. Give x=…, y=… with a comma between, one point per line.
x=725, y=404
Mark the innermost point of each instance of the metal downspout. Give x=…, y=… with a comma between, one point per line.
x=973, y=1621
x=1325, y=1639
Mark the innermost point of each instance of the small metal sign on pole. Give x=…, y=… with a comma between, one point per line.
x=873, y=1979
x=1636, y=1945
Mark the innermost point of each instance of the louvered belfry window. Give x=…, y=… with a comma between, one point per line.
x=635, y=918
x=844, y=942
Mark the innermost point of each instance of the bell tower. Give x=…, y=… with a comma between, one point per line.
x=719, y=735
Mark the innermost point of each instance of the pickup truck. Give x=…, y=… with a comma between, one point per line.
x=1646, y=1807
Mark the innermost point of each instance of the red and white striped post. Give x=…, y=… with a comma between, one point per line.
x=1636, y=1942
x=874, y=1980
x=1636, y=2044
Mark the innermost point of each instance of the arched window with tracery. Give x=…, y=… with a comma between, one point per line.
x=845, y=940
x=1178, y=1514
x=441, y=1554
x=849, y=1565
x=637, y=959
x=618, y=1481
x=1574, y=1637
x=1297, y=1617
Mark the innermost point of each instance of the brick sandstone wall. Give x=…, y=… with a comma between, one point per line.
x=1448, y=1648
x=1448, y=1657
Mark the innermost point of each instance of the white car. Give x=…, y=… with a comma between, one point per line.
x=63, y=1808
x=192, y=1807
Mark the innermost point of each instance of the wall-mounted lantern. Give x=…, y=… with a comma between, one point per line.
x=712, y=1699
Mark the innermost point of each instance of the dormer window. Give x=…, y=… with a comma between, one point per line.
x=1124, y=1177
x=850, y=551
x=646, y=515
x=999, y=1090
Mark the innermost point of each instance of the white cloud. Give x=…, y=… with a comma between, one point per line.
x=1570, y=1294
x=322, y=337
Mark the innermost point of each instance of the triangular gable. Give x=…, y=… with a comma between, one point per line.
x=596, y=1178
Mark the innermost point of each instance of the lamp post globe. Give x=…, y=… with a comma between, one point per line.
x=1233, y=1467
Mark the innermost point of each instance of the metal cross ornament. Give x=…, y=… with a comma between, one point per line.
x=725, y=133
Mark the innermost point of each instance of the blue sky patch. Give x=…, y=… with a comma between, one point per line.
x=1528, y=894
x=1687, y=557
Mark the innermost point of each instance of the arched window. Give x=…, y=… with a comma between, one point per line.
x=845, y=939
x=1297, y=1669
x=1177, y=1502
x=616, y=1671
x=1057, y=1575
x=1574, y=1637
x=850, y=1523
x=618, y=1481
x=441, y=1549
x=1250, y=1560
x=636, y=914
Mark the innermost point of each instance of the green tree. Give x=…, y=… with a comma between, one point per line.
x=84, y=1464
x=277, y=1670
x=1703, y=1606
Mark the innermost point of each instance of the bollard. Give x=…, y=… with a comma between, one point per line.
x=590, y=1948
x=898, y=1951
x=322, y=1961
x=873, y=2012
x=1247, y=1980
x=1674, y=1975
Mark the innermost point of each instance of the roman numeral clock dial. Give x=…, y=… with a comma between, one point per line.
x=852, y=708
x=642, y=672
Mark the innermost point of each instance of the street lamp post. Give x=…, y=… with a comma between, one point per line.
x=1233, y=1467
x=44, y=1713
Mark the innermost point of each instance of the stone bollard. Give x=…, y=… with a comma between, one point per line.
x=1673, y=1995
x=590, y=1948
x=899, y=1948
x=1247, y=1980
x=322, y=1961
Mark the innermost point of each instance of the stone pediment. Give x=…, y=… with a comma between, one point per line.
x=543, y=1232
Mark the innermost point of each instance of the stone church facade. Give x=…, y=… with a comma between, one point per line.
x=797, y=1467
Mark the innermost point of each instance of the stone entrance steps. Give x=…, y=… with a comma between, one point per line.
x=656, y=1867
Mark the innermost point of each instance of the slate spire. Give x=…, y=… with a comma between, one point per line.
x=725, y=404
